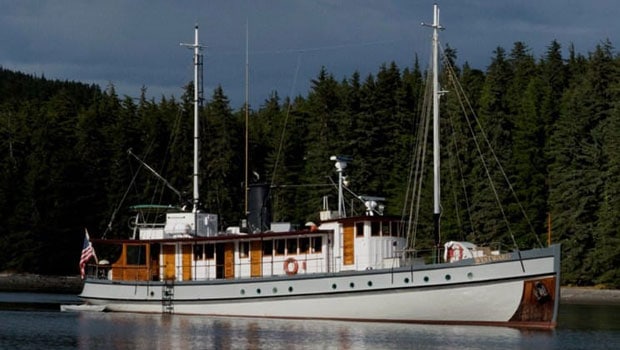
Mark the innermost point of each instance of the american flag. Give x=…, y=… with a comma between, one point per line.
x=87, y=252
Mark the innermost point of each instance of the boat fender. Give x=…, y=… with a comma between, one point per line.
x=291, y=266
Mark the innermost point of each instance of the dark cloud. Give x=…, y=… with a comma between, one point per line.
x=136, y=43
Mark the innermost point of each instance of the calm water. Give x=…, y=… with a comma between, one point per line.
x=32, y=321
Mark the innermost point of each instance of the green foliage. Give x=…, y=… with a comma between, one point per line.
x=553, y=124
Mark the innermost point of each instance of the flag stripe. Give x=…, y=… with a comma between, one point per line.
x=87, y=252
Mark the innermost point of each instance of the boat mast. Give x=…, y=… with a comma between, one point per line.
x=247, y=118
x=436, y=95
x=197, y=99
x=436, y=158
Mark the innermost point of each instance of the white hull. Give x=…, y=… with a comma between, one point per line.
x=463, y=292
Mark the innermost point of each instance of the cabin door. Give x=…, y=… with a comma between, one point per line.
x=256, y=258
x=229, y=260
x=169, y=254
x=187, y=262
x=348, y=245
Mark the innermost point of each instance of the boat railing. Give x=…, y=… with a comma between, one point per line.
x=209, y=270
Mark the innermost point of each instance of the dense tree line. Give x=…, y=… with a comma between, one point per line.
x=553, y=124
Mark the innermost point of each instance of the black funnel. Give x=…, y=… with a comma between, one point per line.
x=259, y=208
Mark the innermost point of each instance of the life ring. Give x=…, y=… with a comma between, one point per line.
x=287, y=266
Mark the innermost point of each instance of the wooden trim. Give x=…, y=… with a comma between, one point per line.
x=348, y=244
x=256, y=258
x=169, y=254
x=229, y=260
x=186, y=252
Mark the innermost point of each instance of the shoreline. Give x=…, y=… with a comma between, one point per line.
x=589, y=295
x=73, y=285
x=40, y=284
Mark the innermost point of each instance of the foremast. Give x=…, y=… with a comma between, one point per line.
x=197, y=102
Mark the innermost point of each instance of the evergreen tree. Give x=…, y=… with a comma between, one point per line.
x=222, y=162
x=576, y=184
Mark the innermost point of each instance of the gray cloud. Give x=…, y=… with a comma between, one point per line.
x=136, y=43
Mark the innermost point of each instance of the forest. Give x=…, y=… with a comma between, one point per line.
x=553, y=124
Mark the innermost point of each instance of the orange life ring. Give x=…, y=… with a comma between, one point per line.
x=287, y=266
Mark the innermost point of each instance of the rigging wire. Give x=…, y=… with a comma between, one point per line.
x=286, y=118
x=462, y=177
x=462, y=96
x=417, y=168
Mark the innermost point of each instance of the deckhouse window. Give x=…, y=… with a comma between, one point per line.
x=291, y=246
x=199, y=251
x=279, y=246
x=385, y=229
x=317, y=244
x=359, y=229
x=375, y=229
x=136, y=255
x=304, y=245
x=209, y=251
x=397, y=229
x=268, y=248
x=244, y=249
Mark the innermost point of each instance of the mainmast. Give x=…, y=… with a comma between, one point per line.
x=247, y=119
x=197, y=102
x=436, y=147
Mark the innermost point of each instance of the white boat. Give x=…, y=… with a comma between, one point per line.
x=344, y=268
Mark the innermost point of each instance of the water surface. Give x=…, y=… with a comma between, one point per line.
x=580, y=327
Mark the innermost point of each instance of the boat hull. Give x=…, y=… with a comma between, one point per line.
x=503, y=290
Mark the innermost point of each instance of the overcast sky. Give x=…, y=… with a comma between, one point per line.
x=131, y=44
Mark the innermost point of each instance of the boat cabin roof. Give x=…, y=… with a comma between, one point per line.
x=222, y=237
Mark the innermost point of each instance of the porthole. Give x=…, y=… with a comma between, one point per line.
x=426, y=278
x=352, y=285
x=470, y=275
x=258, y=291
x=152, y=293
x=369, y=283
x=290, y=289
x=448, y=277
x=406, y=279
x=334, y=286
x=243, y=292
x=275, y=290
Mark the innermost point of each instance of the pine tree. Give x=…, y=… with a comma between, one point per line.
x=576, y=184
